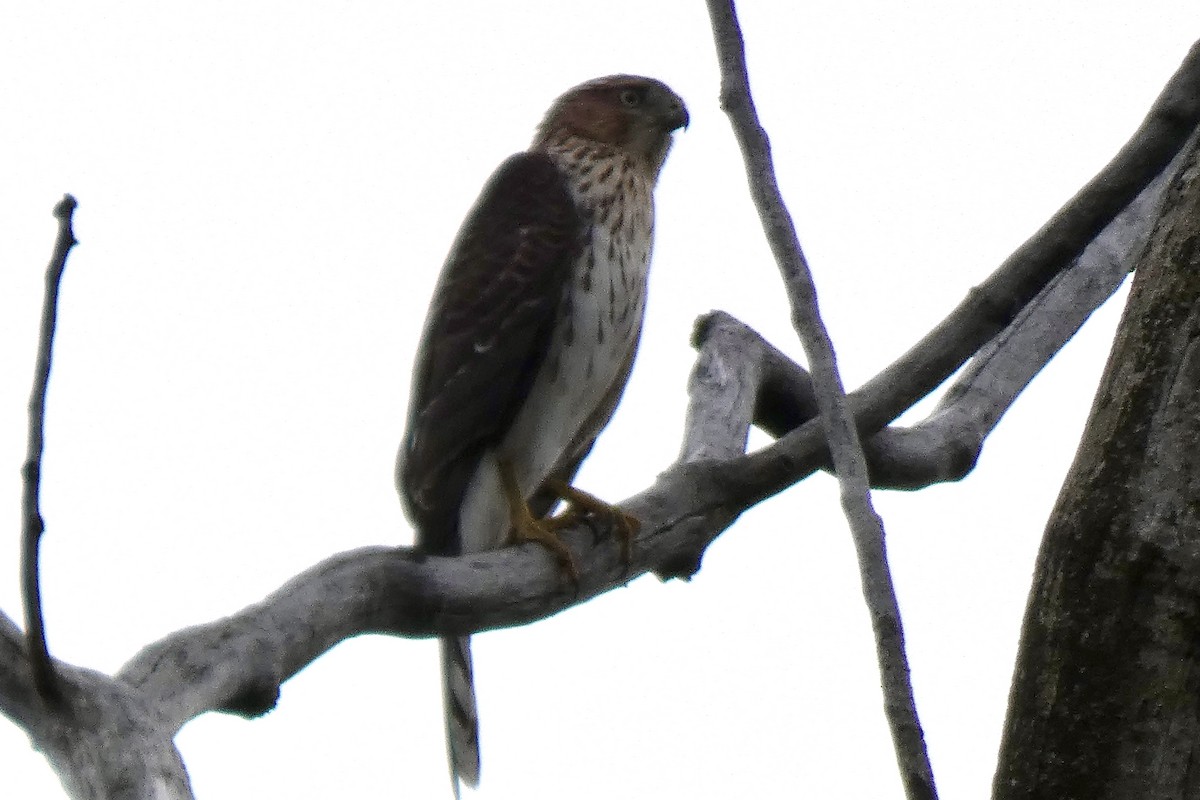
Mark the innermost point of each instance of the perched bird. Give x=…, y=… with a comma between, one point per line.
x=529, y=342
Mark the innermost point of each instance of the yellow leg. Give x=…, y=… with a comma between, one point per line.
x=527, y=528
x=625, y=526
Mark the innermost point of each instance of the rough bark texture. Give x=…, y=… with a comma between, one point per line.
x=1106, y=694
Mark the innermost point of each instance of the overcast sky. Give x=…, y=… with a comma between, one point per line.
x=266, y=192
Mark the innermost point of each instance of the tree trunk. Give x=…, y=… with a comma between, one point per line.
x=1106, y=693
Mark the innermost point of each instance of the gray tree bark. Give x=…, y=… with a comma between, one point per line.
x=1105, y=700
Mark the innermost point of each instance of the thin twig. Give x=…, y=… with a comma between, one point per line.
x=845, y=448
x=44, y=676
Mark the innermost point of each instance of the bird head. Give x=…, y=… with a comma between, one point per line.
x=634, y=114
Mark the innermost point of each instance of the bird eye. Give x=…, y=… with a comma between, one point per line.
x=631, y=98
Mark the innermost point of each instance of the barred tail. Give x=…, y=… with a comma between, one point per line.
x=462, y=717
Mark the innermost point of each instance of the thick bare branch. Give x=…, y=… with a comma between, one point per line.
x=988, y=308
x=102, y=739
x=118, y=731
x=946, y=445
x=237, y=664
x=973, y=406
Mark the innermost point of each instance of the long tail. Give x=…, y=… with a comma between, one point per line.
x=462, y=717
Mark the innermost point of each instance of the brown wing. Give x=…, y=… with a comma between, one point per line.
x=487, y=332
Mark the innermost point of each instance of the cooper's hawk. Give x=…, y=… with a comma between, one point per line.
x=530, y=339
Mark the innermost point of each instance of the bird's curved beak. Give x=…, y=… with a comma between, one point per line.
x=676, y=116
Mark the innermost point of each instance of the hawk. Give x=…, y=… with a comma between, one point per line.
x=529, y=342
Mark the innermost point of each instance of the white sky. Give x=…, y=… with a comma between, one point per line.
x=266, y=193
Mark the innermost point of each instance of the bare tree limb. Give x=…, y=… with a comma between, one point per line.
x=973, y=406
x=849, y=463
x=103, y=740
x=33, y=525
x=945, y=446
x=723, y=391
x=118, y=732
x=988, y=308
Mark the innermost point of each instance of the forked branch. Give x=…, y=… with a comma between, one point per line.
x=989, y=307
x=945, y=446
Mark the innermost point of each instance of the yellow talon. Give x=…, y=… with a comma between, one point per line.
x=625, y=525
x=527, y=528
